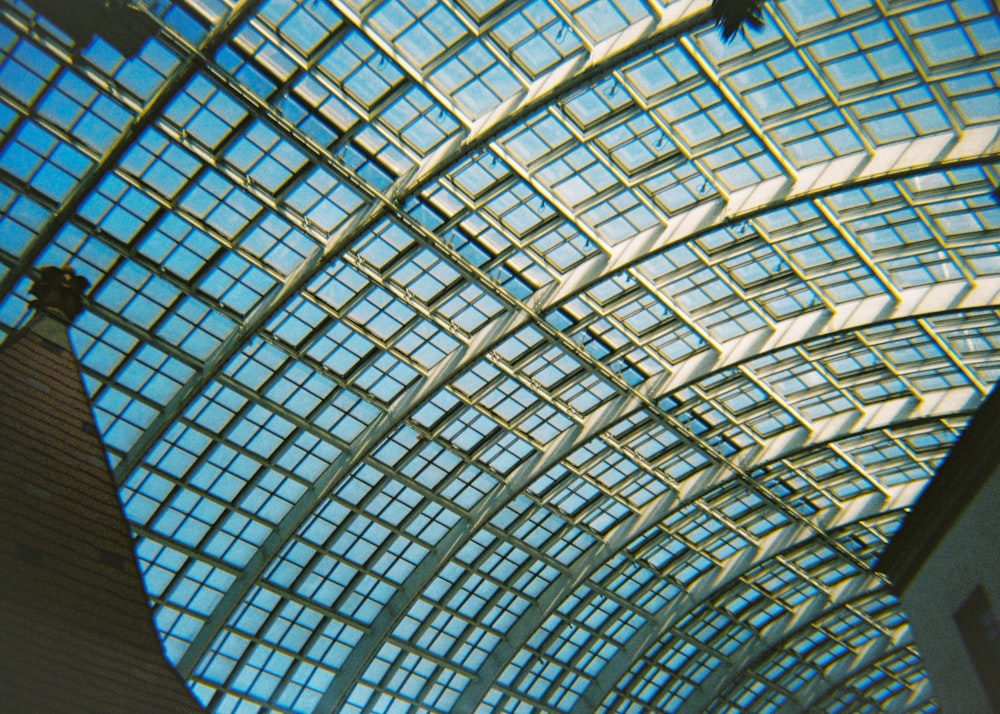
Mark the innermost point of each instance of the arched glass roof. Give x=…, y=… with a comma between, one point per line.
x=548, y=356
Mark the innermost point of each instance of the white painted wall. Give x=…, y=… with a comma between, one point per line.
x=967, y=556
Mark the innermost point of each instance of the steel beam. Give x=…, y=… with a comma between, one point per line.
x=835, y=681
x=976, y=146
x=189, y=66
x=526, y=474
x=556, y=83
x=786, y=540
x=863, y=506
x=775, y=638
x=885, y=164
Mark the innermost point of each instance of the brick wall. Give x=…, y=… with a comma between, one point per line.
x=75, y=628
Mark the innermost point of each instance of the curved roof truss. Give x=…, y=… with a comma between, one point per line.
x=490, y=355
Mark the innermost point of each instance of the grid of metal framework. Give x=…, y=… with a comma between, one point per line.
x=542, y=356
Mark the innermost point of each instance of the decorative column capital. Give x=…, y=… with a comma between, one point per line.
x=61, y=290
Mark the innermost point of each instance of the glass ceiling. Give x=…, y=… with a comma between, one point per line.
x=549, y=356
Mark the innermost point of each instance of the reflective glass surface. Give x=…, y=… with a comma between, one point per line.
x=546, y=356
